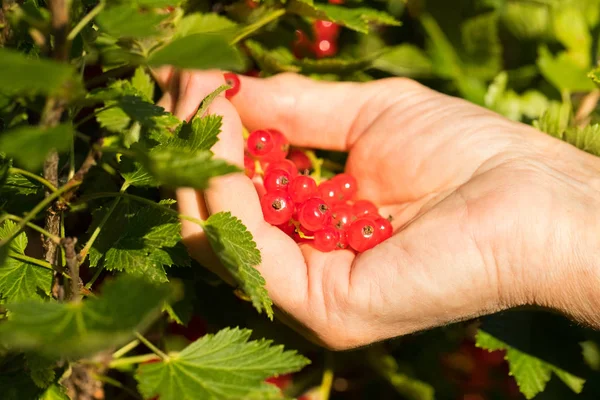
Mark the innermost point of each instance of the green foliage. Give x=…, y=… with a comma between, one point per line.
x=29, y=146
x=77, y=329
x=221, y=366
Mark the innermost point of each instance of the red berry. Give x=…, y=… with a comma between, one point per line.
x=384, y=227
x=314, y=214
x=326, y=239
x=362, y=234
x=336, y=1
x=325, y=48
x=281, y=381
x=285, y=165
x=289, y=229
x=302, y=188
x=249, y=166
x=347, y=184
x=330, y=192
x=341, y=216
x=281, y=146
x=326, y=30
x=260, y=143
x=234, y=81
x=362, y=208
x=276, y=179
x=342, y=240
x=301, y=47
x=251, y=4
x=277, y=207
x=300, y=159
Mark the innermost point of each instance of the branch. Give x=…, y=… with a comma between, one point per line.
x=73, y=266
x=90, y=160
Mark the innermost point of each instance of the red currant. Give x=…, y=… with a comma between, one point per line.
x=326, y=239
x=276, y=179
x=302, y=188
x=314, y=214
x=249, y=166
x=281, y=146
x=341, y=216
x=362, y=208
x=251, y=4
x=362, y=234
x=260, y=143
x=301, y=47
x=384, y=227
x=325, y=48
x=285, y=165
x=289, y=229
x=343, y=240
x=277, y=207
x=326, y=30
x=330, y=192
x=300, y=159
x=234, y=81
x=347, y=184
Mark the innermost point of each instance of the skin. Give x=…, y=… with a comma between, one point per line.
x=489, y=214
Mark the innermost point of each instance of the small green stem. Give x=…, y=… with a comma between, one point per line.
x=121, y=362
x=316, y=164
x=113, y=382
x=37, y=209
x=33, y=226
x=86, y=20
x=125, y=349
x=152, y=347
x=327, y=380
x=31, y=260
x=33, y=176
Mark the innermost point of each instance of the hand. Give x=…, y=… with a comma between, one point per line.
x=489, y=214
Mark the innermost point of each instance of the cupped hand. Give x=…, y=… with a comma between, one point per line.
x=489, y=214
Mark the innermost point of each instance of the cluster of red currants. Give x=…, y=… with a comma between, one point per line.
x=325, y=40
x=325, y=215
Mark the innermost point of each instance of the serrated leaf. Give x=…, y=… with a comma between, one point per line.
x=136, y=239
x=41, y=370
x=21, y=280
x=555, y=120
x=143, y=83
x=531, y=373
x=205, y=23
x=359, y=19
x=235, y=247
x=28, y=75
x=74, y=330
x=20, y=194
x=482, y=47
x=221, y=366
x=128, y=108
x=586, y=139
x=177, y=168
x=135, y=174
x=16, y=384
x=55, y=392
x=128, y=21
x=405, y=60
x=30, y=145
x=563, y=72
x=190, y=52
x=272, y=60
x=200, y=134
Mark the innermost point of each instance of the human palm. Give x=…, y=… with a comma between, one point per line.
x=469, y=191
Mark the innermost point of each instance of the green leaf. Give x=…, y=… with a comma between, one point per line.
x=235, y=247
x=275, y=60
x=527, y=20
x=190, y=52
x=338, y=66
x=221, y=366
x=30, y=145
x=205, y=23
x=586, y=139
x=177, y=168
x=16, y=384
x=143, y=83
x=570, y=28
x=563, y=72
x=531, y=373
x=74, y=330
x=41, y=369
x=531, y=104
x=445, y=60
x=482, y=47
x=200, y=134
x=555, y=119
x=21, y=280
x=127, y=108
x=28, y=75
x=128, y=21
x=359, y=19
x=137, y=240
x=55, y=392
x=405, y=60
x=136, y=175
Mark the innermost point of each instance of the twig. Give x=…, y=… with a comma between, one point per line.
x=152, y=347
x=86, y=20
x=73, y=266
x=90, y=160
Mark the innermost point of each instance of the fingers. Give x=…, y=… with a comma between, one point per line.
x=317, y=114
x=282, y=264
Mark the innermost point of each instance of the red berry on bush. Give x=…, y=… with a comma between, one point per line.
x=326, y=30
x=341, y=216
x=302, y=188
x=384, y=228
x=277, y=179
x=234, y=81
x=326, y=239
x=260, y=143
x=300, y=159
x=277, y=207
x=347, y=185
x=249, y=166
x=362, y=208
x=325, y=48
x=362, y=234
x=314, y=214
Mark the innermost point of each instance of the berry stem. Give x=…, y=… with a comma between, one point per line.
x=328, y=374
x=299, y=231
x=152, y=347
x=316, y=164
x=121, y=362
